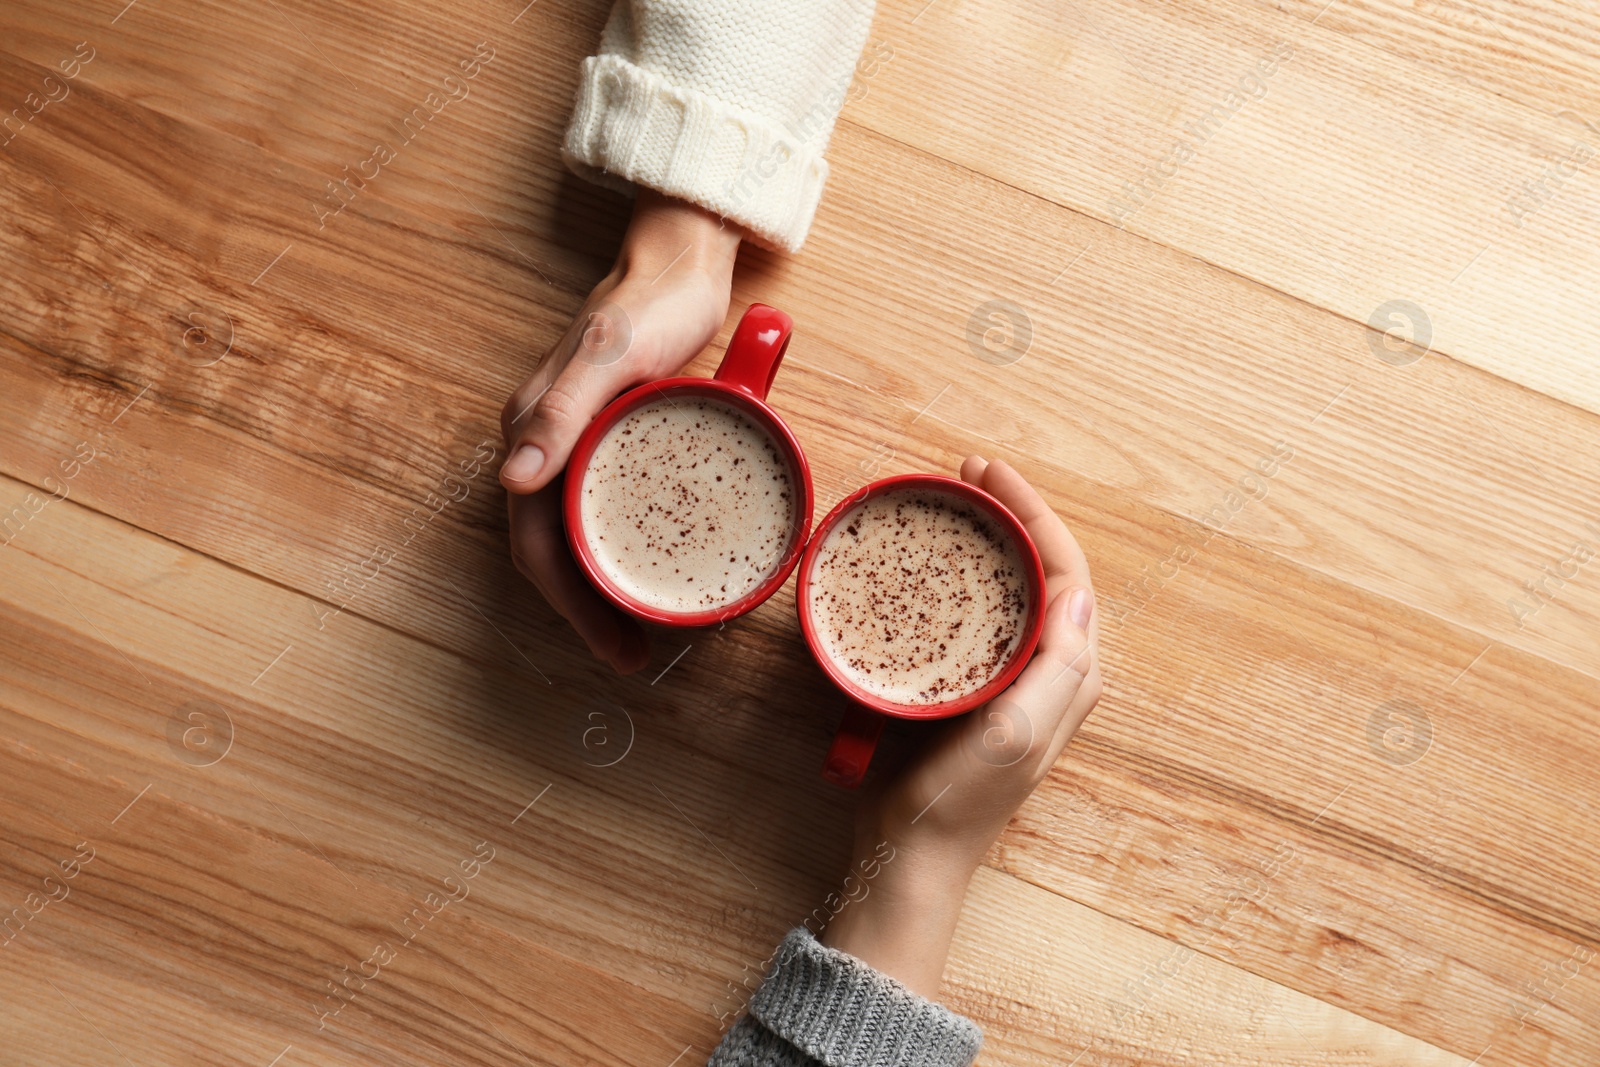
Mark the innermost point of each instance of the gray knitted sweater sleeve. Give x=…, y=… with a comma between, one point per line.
x=819, y=1007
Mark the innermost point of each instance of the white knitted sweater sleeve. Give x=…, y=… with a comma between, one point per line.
x=725, y=103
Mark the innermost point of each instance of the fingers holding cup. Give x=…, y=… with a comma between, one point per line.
x=539, y=550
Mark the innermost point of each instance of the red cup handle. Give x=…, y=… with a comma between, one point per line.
x=852, y=746
x=756, y=349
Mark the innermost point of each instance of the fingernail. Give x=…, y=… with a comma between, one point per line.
x=524, y=463
x=1080, y=605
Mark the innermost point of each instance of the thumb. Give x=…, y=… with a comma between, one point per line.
x=544, y=418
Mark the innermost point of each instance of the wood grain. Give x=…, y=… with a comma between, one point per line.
x=1241, y=810
x=282, y=879
x=1413, y=206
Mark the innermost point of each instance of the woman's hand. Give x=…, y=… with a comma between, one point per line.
x=661, y=304
x=942, y=811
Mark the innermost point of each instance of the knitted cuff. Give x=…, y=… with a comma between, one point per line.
x=630, y=125
x=749, y=1044
x=845, y=1014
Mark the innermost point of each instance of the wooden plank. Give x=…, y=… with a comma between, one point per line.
x=343, y=694
x=386, y=750
x=497, y=145
x=1306, y=178
x=180, y=908
x=1537, y=52
x=1044, y=972
x=181, y=913
x=226, y=880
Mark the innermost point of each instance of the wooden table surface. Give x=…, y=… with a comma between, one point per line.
x=1289, y=308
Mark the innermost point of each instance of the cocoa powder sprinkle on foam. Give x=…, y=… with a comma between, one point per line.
x=894, y=587
x=667, y=513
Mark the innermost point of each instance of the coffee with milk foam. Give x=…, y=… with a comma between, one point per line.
x=688, y=504
x=918, y=597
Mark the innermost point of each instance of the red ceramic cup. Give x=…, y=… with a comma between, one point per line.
x=742, y=381
x=863, y=721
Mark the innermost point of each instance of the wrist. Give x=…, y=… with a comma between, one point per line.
x=903, y=923
x=667, y=234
